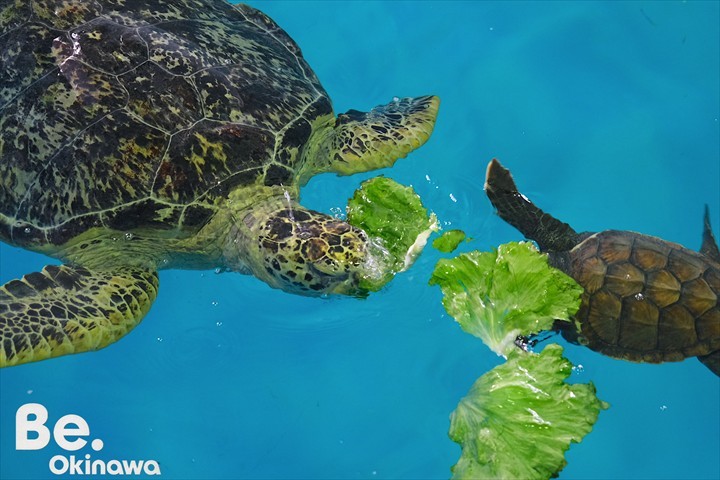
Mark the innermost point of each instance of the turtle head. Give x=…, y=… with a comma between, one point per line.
x=304, y=252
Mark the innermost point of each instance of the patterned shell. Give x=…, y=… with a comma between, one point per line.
x=646, y=299
x=130, y=114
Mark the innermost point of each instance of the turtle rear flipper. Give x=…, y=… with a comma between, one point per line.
x=709, y=248
x=66, y=309
x=712, y=361
x=364, y=141
x=709, y=245
x=515, y=208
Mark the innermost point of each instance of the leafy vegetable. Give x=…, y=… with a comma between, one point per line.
x=395, y=218
x=449, y=241
x=502, y=294
x=518, y=420
x=520, y=417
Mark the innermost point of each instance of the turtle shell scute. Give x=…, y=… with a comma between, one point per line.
x=143, y=114
x=13, y=14
x=206, y=155
x=662, y=288
x=28, y=55
x=113, y=155
x=646, y=299
x=108, y=46
x=676, y=328
x=600, y=313
x=168, y=102
x=66, y=14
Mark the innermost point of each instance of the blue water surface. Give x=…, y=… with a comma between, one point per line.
x=607, y=113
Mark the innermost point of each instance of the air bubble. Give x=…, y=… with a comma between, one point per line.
x=27, y=230
x=218, y=270
x=159, y=339
x=219, y=324
x=396, y=99
x=214, y=303
x=578, y=369
x=663, y=408
x=338, y=212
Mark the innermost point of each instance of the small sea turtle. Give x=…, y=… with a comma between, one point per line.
x=645, y=299
x=137, y=135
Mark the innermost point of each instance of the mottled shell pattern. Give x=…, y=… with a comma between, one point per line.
x=128, y=114
x=646, y=299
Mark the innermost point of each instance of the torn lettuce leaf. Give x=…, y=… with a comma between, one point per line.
x=500, y=295
x=449, y=241
x=397, y=223
x=519, y=418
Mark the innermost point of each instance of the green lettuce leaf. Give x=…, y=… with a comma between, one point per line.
x=395, y=219
x=518, y=419
x=449, y=241
x=500, y=295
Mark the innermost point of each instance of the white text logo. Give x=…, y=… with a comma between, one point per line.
x=69, y=434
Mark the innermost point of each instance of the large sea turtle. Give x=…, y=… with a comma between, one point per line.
x=645, y=299
x=137, y=135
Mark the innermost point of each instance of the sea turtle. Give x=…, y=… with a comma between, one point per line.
x=645, y=299
x=137, y=135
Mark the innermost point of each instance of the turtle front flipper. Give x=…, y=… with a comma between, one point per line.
x=363, y=141
x=67, y=309
x=515, y=208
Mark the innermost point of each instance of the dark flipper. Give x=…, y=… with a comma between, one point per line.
x=709, y=245
x=709, y=248
x=515, y=208
x=712, y=361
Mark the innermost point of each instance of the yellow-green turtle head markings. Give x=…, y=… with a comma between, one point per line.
x=137, y=135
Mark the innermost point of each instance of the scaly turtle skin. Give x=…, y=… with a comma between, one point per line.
x=645, y=299
x=137, y=135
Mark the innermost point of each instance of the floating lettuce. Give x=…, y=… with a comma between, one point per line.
x=449, y=241
x=518, y=419
x=396, y=219
x=499, y=295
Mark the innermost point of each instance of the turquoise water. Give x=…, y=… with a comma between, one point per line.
x=607, y=113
